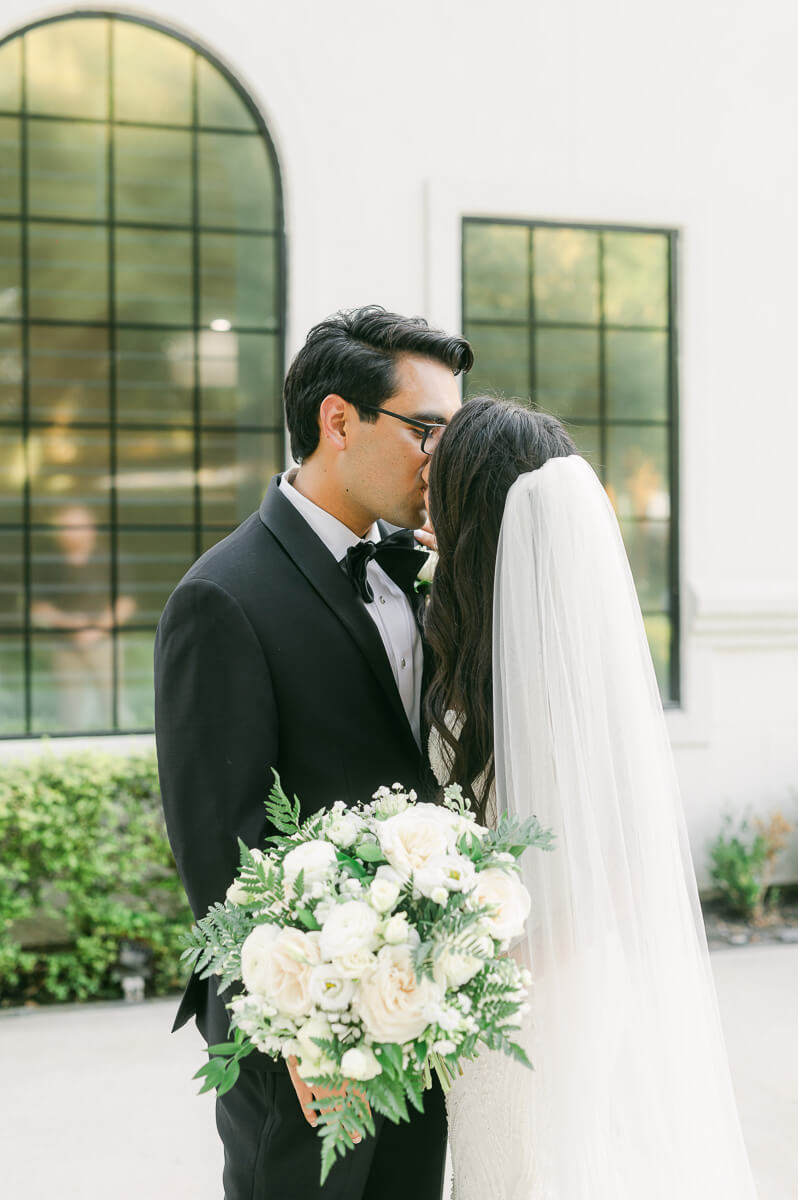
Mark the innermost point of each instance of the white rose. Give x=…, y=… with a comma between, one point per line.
x=392, y=1000
x=453, y=970
x=453, y=872
x=360, y=1063
x=277, y=964
x=329, y=988
x=411, y=838
x=351, y=928
x=357, y=964
x=384, y=889
x=344, y=829
x=511, y=900
x=237, y=893
x=397, y=930
x=315, y=858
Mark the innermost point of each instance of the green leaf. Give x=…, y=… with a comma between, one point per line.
x=307, y=918
x=370, y=852
x=283, y=815
x=225, y=1048
x=390, y=1056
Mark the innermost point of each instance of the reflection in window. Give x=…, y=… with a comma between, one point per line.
x=141, y=316
x=580, y=320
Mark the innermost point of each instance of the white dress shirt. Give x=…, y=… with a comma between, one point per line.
x=390, y=610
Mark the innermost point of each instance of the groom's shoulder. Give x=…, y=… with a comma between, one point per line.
x=236, y=562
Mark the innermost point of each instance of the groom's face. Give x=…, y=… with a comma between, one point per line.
x=387, y=468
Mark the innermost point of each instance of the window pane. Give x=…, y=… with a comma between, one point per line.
x=587, y=439
x=68, y=68
x=566, y=275
x=238, y=279
x=11, y=75
x=496, y=270
x=67, y=169
x=155, y=376
x=152, y=175
x=219, y=102
x=12, y=476
x=11, y=371
x=648, y=546
x=68, y=373
x=236, y=182
x=501, y=360
x=71, y=574
x=636, y=278
x=150, y=567
x=72, y=683
x=12, y=580
x=153, y=276
x=12, y=683
x=236, y=469
x=660, y=637
x=10, y=178
x=10, y=269
x=68, y=272
x=637, y=374
x=155, y=477
x=152, y=76
x=567, y=371
x=69, y=467
x=239, y=378
x=136, y=695
x=637, y=472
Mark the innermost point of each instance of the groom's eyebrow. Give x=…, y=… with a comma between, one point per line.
x=430, y=418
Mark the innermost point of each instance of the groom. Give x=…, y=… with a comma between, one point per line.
x=283, y=647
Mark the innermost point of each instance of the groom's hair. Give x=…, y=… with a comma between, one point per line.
x=354, y=354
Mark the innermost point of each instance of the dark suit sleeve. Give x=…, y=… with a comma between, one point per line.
x=216, y=734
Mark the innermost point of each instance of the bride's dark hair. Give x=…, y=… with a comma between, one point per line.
x=488, y=444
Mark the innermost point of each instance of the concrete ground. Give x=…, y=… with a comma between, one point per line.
x=97, y=1101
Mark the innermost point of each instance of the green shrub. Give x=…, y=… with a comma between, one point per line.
x=84, y=866
x=742, y=859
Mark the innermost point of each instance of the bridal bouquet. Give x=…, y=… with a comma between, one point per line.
x=371, y=945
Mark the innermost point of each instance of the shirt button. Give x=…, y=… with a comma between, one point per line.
x=404, y=663
x=382, y=599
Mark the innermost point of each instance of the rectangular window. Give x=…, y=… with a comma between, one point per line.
x=580, y=321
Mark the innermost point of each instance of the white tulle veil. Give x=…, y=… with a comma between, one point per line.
x=631, y=1097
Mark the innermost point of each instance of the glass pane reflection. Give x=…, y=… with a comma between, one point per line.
x=11, y=75
x=12, y=476
x=566, y=275
x=68, y=272
x=637, y=471
x=496, y=271
x=153, y=276
x=10, y=178
x=239, y=378
x=69, y=467
x=155, y=376
x=648, y=547
x=219, y=102
x=152, y=75
x=67, y=68
x=12, y=684
x=660, y=639
x=11, y=371
x=155, y=477
x=150, y=567
x=135, y=680
x=152, y=175
x=12, y=580
x=68, y=373
x=501, y=360
x=236, y=469
x=567, y=371
x=636, y=278
x=637, y=374
x=10, y=269
x=236, y=183
x=67, y=169
x=72, y=682
x=238, y=279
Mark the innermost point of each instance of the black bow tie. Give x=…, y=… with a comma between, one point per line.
x=395, y=554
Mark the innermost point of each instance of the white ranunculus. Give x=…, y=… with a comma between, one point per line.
x=277, y=964
x=454, y=872
x=315, y=858
x=351, y=928
x=411, y=838
x=344, y=829
x=396, y=930
x=361, y=1063
x=392, y=1000
x=453, y=969
x=510, y=898
x=316, y=1027
x=329, y=988
x=237, y=893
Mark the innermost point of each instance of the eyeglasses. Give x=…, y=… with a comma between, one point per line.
x=430, y=433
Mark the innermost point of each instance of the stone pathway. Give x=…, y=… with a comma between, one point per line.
x=98, y=1103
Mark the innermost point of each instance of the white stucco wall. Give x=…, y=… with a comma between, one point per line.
x=392, y=121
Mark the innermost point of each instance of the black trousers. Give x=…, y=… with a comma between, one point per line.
x=271, y=1153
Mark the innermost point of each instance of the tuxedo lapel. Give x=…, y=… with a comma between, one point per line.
x=325, y=576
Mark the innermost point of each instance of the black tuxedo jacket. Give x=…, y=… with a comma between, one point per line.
x=265, y=657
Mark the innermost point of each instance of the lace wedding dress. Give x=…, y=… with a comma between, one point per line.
x=630, y=1097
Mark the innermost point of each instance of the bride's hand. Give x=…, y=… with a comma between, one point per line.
x=306, y=1094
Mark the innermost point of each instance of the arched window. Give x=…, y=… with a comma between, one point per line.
x=141, y=335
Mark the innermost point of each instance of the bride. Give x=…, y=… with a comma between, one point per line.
x=545, y=697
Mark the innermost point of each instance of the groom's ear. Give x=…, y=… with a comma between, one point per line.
x=334, y=414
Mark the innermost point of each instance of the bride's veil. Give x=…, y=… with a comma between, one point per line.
x=631, y=1097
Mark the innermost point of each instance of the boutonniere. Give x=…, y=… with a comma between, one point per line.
x=424, y=578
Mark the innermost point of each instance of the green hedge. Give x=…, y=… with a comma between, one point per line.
x=85, y=866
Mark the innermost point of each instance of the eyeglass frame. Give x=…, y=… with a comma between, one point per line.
x=426, y=427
